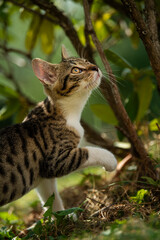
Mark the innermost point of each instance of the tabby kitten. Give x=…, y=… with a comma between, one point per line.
x=46, y=144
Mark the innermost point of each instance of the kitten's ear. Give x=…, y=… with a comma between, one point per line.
x=64, y=53
x=45, y=72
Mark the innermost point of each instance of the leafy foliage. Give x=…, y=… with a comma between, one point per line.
x=47, y=226
x=140, y=196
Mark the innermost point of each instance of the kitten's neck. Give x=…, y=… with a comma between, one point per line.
x=72, y=106
x=71, y=109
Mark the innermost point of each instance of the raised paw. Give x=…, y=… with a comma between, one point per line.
x=100, y=157
x=110, y=162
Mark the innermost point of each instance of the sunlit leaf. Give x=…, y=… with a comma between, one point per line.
x=144, y=90
x=140, y=196
x=10, y=217
x=105, y=113
x=153, y=124
x=47, y=36
x=101, y=29
x=32, y=33
x=107, y=15
x=117, y=59
x=81, y=34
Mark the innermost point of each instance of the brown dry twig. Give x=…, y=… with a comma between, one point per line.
x=121, y=165
x=158, y=126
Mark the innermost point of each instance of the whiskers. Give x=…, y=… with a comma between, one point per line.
x=111, y=79
x=97, y=92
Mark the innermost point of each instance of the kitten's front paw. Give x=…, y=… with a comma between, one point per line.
x=109, y=161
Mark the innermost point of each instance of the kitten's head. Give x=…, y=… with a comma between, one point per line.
x=71, y=76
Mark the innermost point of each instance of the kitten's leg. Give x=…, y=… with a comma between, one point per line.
x=76, y=158
x=45, y=189
x=100, y=157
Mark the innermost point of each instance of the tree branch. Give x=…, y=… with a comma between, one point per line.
x=113, y=95
x=32, y=11
x=151, y=22
x=147, y=31
x=121, y=165
x=6, y=49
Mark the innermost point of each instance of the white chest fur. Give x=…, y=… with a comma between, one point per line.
x=72, y=108
x=74, y=123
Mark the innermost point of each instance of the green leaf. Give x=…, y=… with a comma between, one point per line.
x=11, y=218
x=32, y=34
x=49, y=204
x=120, y=135
x=105, y=113
x=21, y=114
x=50, y=201
x=154, y=106
x=6, y=233
x=24, y=14
x=117, y=59
x=48, y=213
x=8, y=92
x=66, y=212
x=47, y=36
x=9, y=109
x=150, y=181
x=132, y=106
x=144, y=90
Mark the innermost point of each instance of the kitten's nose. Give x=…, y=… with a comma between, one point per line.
x=93, y=68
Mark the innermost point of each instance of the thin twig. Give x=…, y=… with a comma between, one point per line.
x=32, y=11
x=7, y=49
x=121, y=165
x=158, y=126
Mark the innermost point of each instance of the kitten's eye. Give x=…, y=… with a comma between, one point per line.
x=76, y=70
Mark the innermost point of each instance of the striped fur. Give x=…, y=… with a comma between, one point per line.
x=45, y=144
